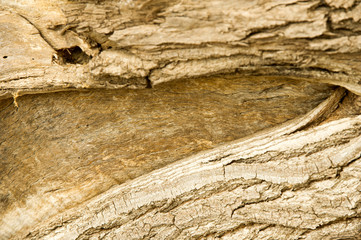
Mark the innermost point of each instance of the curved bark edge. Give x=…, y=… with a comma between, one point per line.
x=261, y=171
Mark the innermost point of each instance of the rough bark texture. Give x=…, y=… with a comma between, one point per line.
x=93, y=148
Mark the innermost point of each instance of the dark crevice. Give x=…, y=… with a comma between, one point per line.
x=329, y=28
x=325, y=70
x=149, y=82
x=343, y=31
x=319, y=6
x=282, y=64
x=347, y=26
x=272, y=29
x=354, y=5
x=73, y=55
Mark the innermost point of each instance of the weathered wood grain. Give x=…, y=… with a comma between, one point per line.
x=298, y=182
x=163, y=41
x=70, y=169
x=55, y=144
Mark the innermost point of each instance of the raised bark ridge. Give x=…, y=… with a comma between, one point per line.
x=161, y=41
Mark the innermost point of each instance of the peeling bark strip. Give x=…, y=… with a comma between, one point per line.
x=120, y=135
x=300, y=180
x=231, y=188
x=265, y=165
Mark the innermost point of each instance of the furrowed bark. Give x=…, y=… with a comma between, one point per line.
x=99, y=138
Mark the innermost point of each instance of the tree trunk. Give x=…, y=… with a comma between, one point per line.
x=180, y=119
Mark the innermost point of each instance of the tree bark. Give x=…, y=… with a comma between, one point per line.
x=180, y=119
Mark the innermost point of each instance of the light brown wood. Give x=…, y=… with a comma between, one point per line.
x=180, y=119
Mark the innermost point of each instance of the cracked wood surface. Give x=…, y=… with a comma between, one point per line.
x=306, y=184
x=96, y=139
x=125, y=44
x=297, y=180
